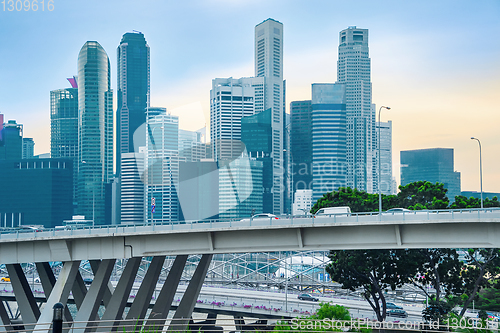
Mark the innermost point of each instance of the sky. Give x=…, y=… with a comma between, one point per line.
x=436, y=63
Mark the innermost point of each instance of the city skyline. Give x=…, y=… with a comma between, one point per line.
x=435, y=65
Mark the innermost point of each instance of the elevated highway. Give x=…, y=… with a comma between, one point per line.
x=103, y=246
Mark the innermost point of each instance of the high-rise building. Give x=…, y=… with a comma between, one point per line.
x=328, y=138
x=432, y=165
x=302, y=202
x=35, y=192
x=269, y=65
x=301, y=144
x=386, y=183
x=191, y=147
x=132, y=188
x=95, y=133
x=64, y=128
x=353, y=70
x=162, y=168
x=28, y=148
x=11, y=146
x=133, y=90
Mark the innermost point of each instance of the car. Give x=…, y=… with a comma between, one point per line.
x=307, y=297
x=390, y=305
x=5, y=279
x=397, y=313
x=262, y=216
x=397, y=210
x=328, y=211
x=88, y=281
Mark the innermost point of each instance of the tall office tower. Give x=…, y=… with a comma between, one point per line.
x=133, y=90
x=132, y=188
x=433, y=165
x=353, y=70
x=386, y=183
x=95, y=133
x=11, y=147
x=230, y=100
x=256, y=135
x=64, y=128
x=301, y=144
x=162, y=168
x=191, y=147
x=28, y=148
x=328, y=138
x=269, y=65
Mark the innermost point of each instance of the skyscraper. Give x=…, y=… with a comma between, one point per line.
x=353, y=70
x=28, y=148
x=64, y=128
x=386, y=178
x=133, y=90
x=162, y=167
x=269, y=65
x=95, y=133
x=11, y=146
x=328, y=138
x=301, y=144
x=432, y=165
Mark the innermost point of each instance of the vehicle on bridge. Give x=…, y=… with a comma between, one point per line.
x=397, y=313
x=261, y=217
x=5, y=279
x=307, y=297
x=390, y=305
x=326, y=212
x=397, y=210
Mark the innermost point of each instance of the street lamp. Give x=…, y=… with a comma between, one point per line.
x=480, y=169
x=379, y=168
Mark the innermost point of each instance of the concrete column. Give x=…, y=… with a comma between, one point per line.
x=108, y=292
x=114, y=310
x=90, y=305
x=79, y=290
x=58, y=294
x=143, y=298
x=4, y=319
x=162, y=304
x=184, y=311
x=24, y=296
x=48, y=281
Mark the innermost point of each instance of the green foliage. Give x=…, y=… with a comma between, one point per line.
x=330, y=311
x=483, y=315
x=488, y=299
x=437, y=311
x=423, y=195
x=358, y=201
x=462, y=202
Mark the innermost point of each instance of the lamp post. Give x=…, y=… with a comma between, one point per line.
x=480, y=169
x=379, y=168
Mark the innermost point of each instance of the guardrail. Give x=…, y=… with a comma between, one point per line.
x=411, y=216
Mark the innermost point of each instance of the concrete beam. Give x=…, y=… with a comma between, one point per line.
x=24, y=296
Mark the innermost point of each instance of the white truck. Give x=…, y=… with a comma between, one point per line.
x=326, y=212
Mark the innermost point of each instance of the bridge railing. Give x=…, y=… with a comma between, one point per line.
x=407, y=216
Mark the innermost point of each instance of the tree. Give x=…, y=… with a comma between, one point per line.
x=332, y=311
x=488, y=299
x=372, y=270
x=423, y=195
x=462, y=202
x=439, y=268
x=483, y=266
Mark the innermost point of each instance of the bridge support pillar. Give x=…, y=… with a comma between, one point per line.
x=58, y=294
x=93, y=298
x=114, y=310
x=24, y=296
x=4, y=319
x=148, y=286
x=184, y=311
x=164, y=301
x=108, y=291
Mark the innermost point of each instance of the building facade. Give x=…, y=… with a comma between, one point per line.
x=328, y=138
x=162, y=168
x=11, y=146
x=95, y=133
x=386, y=177
x=64, y=128
x=303, y=202
x=432, y=165
x=132, y=188
x=39, y=192
x=28, y=148
x=133, y=84
x=353, y=70
x=301, y=144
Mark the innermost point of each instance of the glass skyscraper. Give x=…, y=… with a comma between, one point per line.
x=301, y=144
x=328, y=138
x=133, y=90
x=64, y=128
x=353, y=70
x=95, y=133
